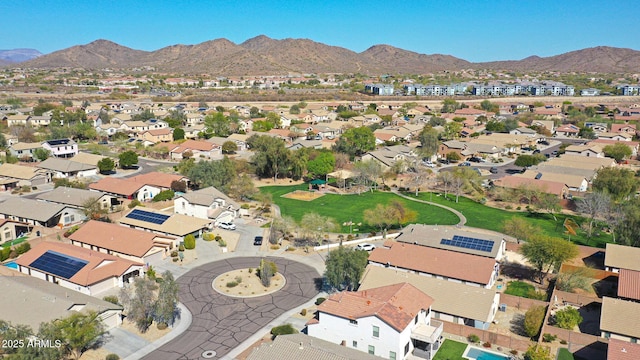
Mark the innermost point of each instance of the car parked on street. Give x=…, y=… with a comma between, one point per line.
x=493, y=170
x=365, y=247
x=257, y=240
x=466, y=163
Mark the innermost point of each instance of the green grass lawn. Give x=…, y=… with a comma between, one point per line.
x=344, y=208
x=564, y=354
x=519, y=288
x=450, y=350
x=15, y=242
x=485, y=217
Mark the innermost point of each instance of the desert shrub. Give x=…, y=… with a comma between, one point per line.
x=133, y=204
x=23, y=248
x=13, y=254
x=283, y=330
x=514, y=352
x=473, y=338
x=218, y=238
x=303, y=312
x=174, y=253
x=576, y=279
x=112, y=357
x=568, y=318
x=175, y=259
x=250, y=270
x=533, y=319
x=161, y=326
x=320, y=300
x=291, y=248
x=190, y=242
x=222, y=243
x=112, y=299
x=4, y=253
x=231, y=284
x=548, y=337
x=487, y=344
x=563, y=342
x=238, y=279
x=275, y=247
x=208, y=237
x=164, y=195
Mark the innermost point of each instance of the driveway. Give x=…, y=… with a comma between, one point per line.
x=220, y=323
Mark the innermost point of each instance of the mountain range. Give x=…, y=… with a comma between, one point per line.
x=262, y=55
x=18, y=55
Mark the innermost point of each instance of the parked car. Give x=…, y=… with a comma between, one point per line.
x=365, y=247
x=554, y=153
x=257, y=240
x=493, y=170
x=543, y=142
x=475, y=159
x=536, y=151
x=428, y=164
x=444, y=161
x=227, y=226
x=466, y=163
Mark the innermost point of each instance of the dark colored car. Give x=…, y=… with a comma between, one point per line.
x=443, y=161
x=475, y=159
x=257, y=240
x=536, y=151
x=493, y=170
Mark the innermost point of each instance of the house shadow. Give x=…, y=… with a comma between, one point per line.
x=606, y=287
x=590, y=318
x=595, y=260
x=517, y=271
x=516, y=325
x=594, y=351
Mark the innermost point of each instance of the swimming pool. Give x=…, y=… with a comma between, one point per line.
x=12, y=265
x=474, y=353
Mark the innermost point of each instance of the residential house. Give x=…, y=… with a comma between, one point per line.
x=108, y=129
x=11, y=230
x=78, y=198
x=135, y=245
x=470, y=148
x=392, y=321
x=567, y=130
x=197, y=148
x=42, y=301
x=575, y=182
x=548, y=124
x=589, y=92
x=620, y=136
x=453, y=302
x=618, y=257
x=13, y=175
x=24, y=151
x=18, y=120
x=207, y=203
x=622, y=350
x=388, y=156
x=38, y=121
x=192, y=131
x=125, y=189
x=194, y=119
x=159, y=180
x=240, y=140
x=156, y=135
x=624, y=128
x=597, y=127
x=619, y=319
x=91, y=159
x=62, y=168
x=634, y=145
x=134, y=126
x=175, y=225
x=301, y=346
x=39, y=213
x=64, y=148
x=154, y=124
x=522, y=131
x=470, y=269
x=75, y=268
x=549, y=113
x=559, y=189
x=590, y=149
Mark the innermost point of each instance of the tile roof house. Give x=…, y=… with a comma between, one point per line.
x=622, y=350
x=619, y=319
x=13, y=175
x=207, y=203
x=389, y=155
x=301, y=346
x=91, y=159
x=175, y=225
x=390, y=321
x=125, y=189
x=131, y=244
x=559, y=189
x=156, y=135
x=619, y=257
x=198, y=148
x=453, y=302
x=64, y=148
x=63, y=168
x=575, y=182
x=24, y=150
x=84, y=270
x=568, y=130
x=159, y=179
x=11, y=230
x=591, y=149
x=77, y=198
x=468, y=269
x=42, y=301
x=39, y=213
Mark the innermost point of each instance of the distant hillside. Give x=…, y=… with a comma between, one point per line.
x=265, y=56
x=602, y=59
x=18, y=55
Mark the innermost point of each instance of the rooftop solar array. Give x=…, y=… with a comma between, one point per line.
x=58, y=264
x=58, y=142
x=469, y=243
x=148, y=216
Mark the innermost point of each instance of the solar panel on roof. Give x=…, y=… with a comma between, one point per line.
x=469, y=243
x=58, y=264
x=147, y=216
x=58, y=142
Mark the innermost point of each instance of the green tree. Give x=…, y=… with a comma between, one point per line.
x=495, y=126
x=429, y=143
x=345, y=267
x=178, y=186
x=217, y=173
x=451, y=130
x=449, y=106
x=618, y=151
x=619, y=182
x=41, y=154
x=3, y=141
x=587, y=133
x=243, y=188
x=178, y=134
x=217, y=124
x=595, y=205
x=567, y=318
x=487, y=105
x=229, y=147
x=356, y=141
x=270, y=158
x=453, y=156
x=321, y=164
x=544, y=252
x=533, y=319
x=79, y=332
x=93, y=209
x=295, y=109
x=528, y=160
x=166, y=307
x=106, y=165
x=385, y=216
x=537, y=352
x=139, y=305
x=128, y=159
x=190, y=242
x=164, y=195
x=315, y=225
x=285, y=329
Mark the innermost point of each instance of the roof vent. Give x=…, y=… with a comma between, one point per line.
x=301, y=346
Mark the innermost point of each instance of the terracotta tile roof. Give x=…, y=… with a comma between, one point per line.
x=620, y=317
x=466, y=267
x=158, y=132
x=470, y=111
x=629, y=284
x=100, y=266
x=115, y=237
x=116, y=186
x=397, y=305
x=620, y=127
x=622, y=350
x=157, y=179
x=193, y=145
x=514, y=182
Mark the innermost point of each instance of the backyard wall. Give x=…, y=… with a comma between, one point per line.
x=487, y=336
x=520, y=303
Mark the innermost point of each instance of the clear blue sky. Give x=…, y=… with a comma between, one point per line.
x=474, y=30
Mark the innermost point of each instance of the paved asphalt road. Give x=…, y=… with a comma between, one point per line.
x=220, y=323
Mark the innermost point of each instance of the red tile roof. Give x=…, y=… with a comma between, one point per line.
x=629, y=284
x=156, y=179
x=116, y=186
x=549, y=187
x=397, y=305
x=115, y=237
x=622, y=350
x=193, y=145
x=466, y=267
x=619, y=127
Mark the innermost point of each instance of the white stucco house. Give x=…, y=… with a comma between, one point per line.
x=393, y=322
x=207, y=203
